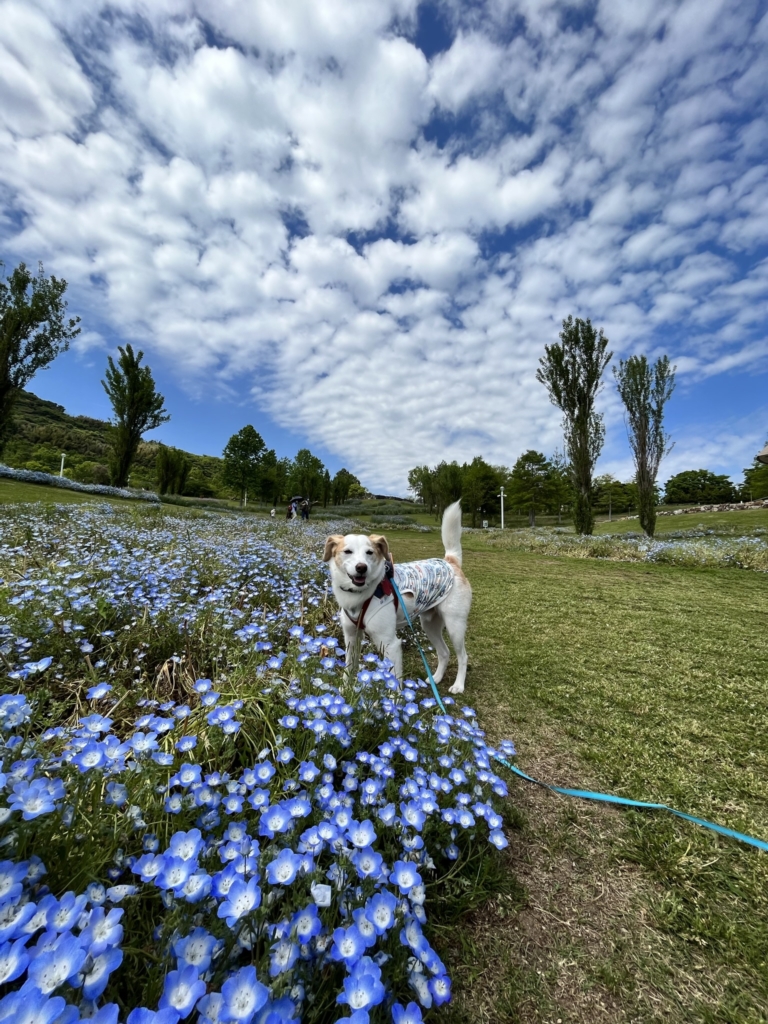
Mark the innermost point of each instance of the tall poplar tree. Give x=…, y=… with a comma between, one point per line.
x=137, y=405
x=572, y=372
x=645, y=390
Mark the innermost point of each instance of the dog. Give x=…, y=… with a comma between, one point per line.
x=435, y=589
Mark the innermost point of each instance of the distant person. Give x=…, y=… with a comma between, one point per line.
x=289, y=511
x=273, y=513
x=305, y=510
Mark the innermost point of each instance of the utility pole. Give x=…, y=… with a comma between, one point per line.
x=501, y=495
x=63, y=456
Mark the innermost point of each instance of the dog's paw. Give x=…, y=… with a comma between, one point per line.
x=456, y=688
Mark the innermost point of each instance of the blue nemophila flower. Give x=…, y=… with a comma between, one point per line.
x=264, y=771
x=348, y=945
x=274, y=819
x=117, y=893
x=360, y=833
x=202, y=686
x=440, y=989
x=404, y=875
x=285, y=755
x=243, y=897
x=185, y=743
x=182, y=990
x=498, y=839
x=307, y=923
x=30, y=1007
x=13, y=959
x=410, y=1014
x=52, y=968
x=66, y=912
x=98, y=691
x=102, y=931
x=11, y=877
x=243, y=996
x=186, y=845
x=196, y=949
x=284, y=955
x=36, y=797
x=175, y=872
x=365, y=926
x=282, y=870
x=116, y=794
x=367, y=862
x=362, y=986
x=142, y=1015
x=143, y=743
x=96, y=978
x=380, y=910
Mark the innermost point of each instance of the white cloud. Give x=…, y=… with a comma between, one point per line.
x=278, y=209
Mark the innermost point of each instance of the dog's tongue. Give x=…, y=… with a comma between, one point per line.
x=359, y=581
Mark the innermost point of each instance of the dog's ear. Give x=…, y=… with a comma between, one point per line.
x=380, y=543
x=331, y=543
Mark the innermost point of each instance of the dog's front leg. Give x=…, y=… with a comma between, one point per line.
x=351, y=638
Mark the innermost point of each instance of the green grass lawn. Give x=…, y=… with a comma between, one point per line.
x=650, y=682
x=14, y=491
x=728, y=522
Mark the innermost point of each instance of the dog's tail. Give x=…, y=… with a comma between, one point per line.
x=451, y=532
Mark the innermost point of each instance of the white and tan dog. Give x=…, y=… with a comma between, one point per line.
x=435, y=589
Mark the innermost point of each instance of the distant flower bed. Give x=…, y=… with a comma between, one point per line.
x=30, y=476
x=692, y=548
x=254, y=844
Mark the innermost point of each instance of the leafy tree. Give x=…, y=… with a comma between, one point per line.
x=326, y=488
x=480, y=487
x=645, y=390
x=698, y=487
x=172, y=469
x=421, y=483
x=755, y=482
x=529, y=484
x=340, y=486
x=243, y=455
x=357, y=490
x=448, y=483
x=306, y=476
x=572, y=373
x=33, y=331
x=137, y=405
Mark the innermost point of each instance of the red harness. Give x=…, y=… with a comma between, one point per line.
x=384, y=589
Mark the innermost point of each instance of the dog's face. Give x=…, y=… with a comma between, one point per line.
x=356, y=560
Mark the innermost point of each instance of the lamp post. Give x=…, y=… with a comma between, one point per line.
x=61, y=470
x=501, y=495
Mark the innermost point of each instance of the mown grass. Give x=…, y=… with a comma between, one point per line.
x=13, y=491
x=650, y=682
x=741, y=523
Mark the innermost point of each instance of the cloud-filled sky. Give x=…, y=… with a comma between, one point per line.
x=356, y=223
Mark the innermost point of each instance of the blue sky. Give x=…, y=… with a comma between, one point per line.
x=356, y=223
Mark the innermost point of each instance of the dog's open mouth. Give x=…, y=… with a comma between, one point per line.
x=359, y=581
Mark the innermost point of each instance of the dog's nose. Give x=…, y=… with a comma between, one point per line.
x=361, y=568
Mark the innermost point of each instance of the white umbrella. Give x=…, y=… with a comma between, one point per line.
x=763, y=455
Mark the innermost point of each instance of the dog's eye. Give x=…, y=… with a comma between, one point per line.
x=347, y=551
x=369, y=552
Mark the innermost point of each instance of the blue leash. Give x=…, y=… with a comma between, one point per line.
x=583, y=794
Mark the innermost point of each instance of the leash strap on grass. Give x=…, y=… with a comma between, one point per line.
x=585, y=794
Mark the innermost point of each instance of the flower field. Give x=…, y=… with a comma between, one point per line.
x=203, y=817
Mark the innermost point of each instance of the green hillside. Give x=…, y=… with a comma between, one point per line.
x=43, y=430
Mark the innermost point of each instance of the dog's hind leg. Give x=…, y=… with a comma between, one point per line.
x=433, y=627
x=456, y=624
